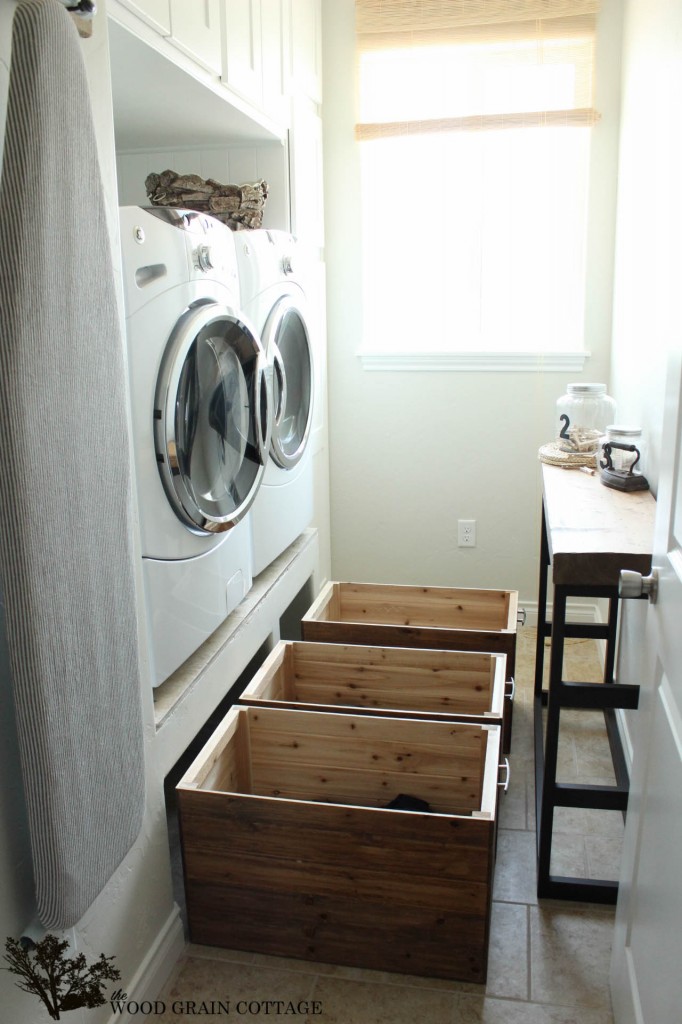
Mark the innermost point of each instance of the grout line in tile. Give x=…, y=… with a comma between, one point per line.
x=529, y=980
x=394, y=980
x=553, y=1004
x=313, y=986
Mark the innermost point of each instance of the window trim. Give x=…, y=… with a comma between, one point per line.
x=373, y=360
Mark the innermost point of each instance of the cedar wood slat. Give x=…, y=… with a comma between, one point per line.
x=343, y=931
x=352, y=759
x=404, y=680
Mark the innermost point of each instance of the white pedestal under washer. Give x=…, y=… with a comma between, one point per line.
x=199, y=403
x=273, y=298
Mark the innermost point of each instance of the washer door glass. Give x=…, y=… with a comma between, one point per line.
x=288, y=347
x=211, y=418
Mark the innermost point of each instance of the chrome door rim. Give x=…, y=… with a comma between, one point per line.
x=194, y=319
x=282, y=307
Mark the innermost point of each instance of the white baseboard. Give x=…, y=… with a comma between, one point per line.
x=576, y=611
x=625, y=738
x=158, y=964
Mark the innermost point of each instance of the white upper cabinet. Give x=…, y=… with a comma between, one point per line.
x=154, y=12
x=275, y=33
x=306, y=49
x=195, y=29
x=258, y=54
x=242, y=69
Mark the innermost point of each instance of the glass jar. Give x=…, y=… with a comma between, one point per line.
x=625, y=461
x=583, y=414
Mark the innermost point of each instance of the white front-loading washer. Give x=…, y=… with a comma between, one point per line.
x=273, y=297
x=199, y=393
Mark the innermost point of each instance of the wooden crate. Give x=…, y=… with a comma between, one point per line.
x=289, y=849
x=445, y=618
x=465, y=686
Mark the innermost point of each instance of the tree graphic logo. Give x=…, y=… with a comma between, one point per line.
x=62, y=983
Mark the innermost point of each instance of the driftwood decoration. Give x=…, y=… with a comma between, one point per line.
x=238, y=206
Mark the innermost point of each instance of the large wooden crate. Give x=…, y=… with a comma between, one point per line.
x=289, y=848
x=444, y=618
x=405, y=682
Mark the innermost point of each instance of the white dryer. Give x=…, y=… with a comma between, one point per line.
x=273, y=297
x=199, y=397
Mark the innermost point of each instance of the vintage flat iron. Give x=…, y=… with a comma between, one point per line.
x=622, y=479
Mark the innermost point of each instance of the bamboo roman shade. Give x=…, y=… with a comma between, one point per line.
x=430, y=66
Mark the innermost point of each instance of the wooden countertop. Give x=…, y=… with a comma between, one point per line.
x=594, y=531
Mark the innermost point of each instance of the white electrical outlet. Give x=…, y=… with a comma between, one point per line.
x=466, y=533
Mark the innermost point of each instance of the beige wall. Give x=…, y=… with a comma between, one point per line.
x=411, y=453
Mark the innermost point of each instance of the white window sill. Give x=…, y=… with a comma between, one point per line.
x=463, y=362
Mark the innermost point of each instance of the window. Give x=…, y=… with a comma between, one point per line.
x=475, y=148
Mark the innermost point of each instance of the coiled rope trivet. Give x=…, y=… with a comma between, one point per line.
x=553, y=455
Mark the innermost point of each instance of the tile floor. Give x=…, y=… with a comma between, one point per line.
x=549, y=961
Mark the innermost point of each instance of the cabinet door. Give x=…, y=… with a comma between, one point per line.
x=195, y=29
x=154, y=12
x=242, y=59
x=306, y=48
x=307, y=205
x=275, y=55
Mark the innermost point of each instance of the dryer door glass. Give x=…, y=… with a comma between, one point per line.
x=288, y=347
x=210, y=418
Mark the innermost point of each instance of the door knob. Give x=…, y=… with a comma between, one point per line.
x=633, y=584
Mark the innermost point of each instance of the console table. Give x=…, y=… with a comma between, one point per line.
x=589, y=533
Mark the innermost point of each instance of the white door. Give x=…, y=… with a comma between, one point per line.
x=646, y=973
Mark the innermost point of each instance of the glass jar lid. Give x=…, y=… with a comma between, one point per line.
x=586, y=389
x=624, y=431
